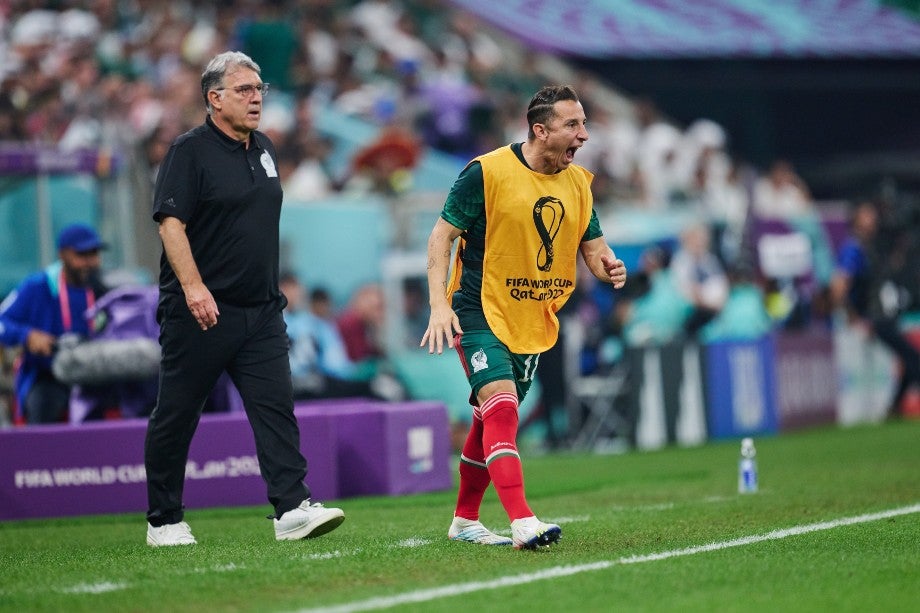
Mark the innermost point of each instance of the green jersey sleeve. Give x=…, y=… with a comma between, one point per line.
x=466, y=201
x=594, y=228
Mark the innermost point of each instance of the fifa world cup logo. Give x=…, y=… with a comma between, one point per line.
x=547, y=217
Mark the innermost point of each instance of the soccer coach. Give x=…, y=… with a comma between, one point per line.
x=218, y=203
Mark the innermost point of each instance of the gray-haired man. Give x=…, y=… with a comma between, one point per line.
x=218, y=202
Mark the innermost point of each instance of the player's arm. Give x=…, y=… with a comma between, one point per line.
x=602, y=262
x=179, y=254
x=443, y=322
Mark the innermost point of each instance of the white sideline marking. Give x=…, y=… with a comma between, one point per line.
x=413, y=542
x=568, y=520
x=328, y=555
x=667, y=506
x=94, y=588
x=457, y=589
x=219, y=568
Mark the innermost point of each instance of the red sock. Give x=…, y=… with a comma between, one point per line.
x=500, y=421
x=474, y=476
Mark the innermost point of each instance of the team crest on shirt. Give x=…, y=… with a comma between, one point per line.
x=269, y=164
x=479, y=361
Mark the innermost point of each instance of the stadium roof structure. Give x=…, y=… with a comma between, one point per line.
x=668, y=29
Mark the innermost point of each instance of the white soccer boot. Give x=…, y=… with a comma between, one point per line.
x=531, y=533
x=170, y=535
x=307, y=521
x=472, y=531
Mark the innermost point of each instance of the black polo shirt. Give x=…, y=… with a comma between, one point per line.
x=229, y=197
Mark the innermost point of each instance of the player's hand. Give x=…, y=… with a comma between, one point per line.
x=615, y=269
x=202, y=305
x=442, y=326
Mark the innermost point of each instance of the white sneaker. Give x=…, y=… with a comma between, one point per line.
x=169, y=535
x=307, y=521
x=531, y=533
x=472, y=531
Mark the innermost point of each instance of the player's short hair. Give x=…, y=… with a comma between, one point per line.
x=540, y=109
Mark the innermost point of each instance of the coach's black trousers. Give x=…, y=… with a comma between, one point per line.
x=251, y=344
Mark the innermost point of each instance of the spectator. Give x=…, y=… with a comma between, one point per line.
x=415, y=309
x=321, y=304
x=320, y=367
x=361, y=327
x=614, y=151
x=272, y=40
x=660, y=172
x=781, y=194
x=744, y=316
x=863, y=288
x=306, y=174
x=653, y=312
x=385, y=165
x=46, y=305
x=361, y=324
x=304, y=177
x=699, y=277
x=448, y=96
x=726, y=202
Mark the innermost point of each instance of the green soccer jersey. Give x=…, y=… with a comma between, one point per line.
x=465, y=208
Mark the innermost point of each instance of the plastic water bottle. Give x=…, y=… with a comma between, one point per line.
x=747, y=467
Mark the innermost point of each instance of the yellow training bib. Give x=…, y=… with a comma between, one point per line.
x=534, y=226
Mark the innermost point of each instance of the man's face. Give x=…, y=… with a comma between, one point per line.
x=866, y=221
x=238, y=107
x=566, y=132
x=80, y=266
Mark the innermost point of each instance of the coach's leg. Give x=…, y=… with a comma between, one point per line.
x=262, y=374
x=189, y=367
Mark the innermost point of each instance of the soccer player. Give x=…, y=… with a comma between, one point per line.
x=522, y=213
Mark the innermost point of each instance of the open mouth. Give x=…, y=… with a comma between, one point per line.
x=570, y=153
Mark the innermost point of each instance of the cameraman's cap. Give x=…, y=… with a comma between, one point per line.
x=80, y=238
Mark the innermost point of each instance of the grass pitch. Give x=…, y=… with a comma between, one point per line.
x=834, y=527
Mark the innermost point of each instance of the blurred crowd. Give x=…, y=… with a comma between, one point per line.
x=126, y=74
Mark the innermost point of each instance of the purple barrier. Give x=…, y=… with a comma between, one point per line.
x=388, y=448
x=98, y=467
x=30, y=159
x=806, y=377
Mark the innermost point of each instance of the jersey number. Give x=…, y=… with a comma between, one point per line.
x=530, y=367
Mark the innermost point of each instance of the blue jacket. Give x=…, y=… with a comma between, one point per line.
x=36, y=304
x=316, y=347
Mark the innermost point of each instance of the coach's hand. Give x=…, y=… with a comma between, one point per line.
x=202, y=305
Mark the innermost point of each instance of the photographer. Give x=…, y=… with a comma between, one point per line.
x=46, y=305
x=864, y=285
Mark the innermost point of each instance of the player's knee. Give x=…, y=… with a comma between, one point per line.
x=501, y=411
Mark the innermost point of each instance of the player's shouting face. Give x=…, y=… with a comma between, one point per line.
x=565, y=133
